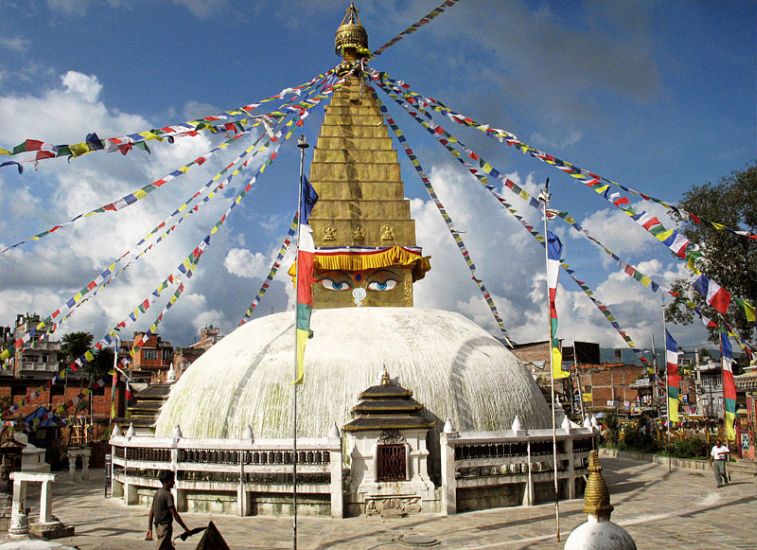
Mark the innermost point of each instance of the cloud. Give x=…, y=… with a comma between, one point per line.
x=243, y=263
x=202, y=9
x=621, y=234
x=86, y=86
x=15, y=43
x=196, y=109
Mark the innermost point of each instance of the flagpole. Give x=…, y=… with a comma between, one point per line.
x=544, y=197
x=302, y=144
x=667, y=380
x=116, y=345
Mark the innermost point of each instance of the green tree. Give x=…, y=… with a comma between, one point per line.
x=74, y=344
x=729, y=259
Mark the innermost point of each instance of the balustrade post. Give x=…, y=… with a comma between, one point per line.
x=334, y=439
x=571, y=479
x=449, y=483
x=529, y=496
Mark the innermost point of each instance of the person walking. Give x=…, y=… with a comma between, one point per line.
x=719, y=454
x=163, y=512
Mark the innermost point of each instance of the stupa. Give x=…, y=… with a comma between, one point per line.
x=238, y=395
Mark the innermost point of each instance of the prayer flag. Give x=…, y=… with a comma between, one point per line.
x=113, y=383
x=718, y=298
x=729, y=386
x=554, y=251
x=305, y=257
x=674, y=379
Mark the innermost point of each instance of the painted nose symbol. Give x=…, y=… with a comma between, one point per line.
x=359, y=295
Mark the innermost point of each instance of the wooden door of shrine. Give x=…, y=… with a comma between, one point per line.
x=391, y=462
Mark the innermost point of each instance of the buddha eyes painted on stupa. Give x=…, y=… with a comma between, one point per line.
x=378, y=280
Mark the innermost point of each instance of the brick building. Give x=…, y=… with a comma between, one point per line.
x=184, y=357
x=152, y=361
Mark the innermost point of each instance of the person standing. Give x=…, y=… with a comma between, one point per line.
x=719, y=454
x=163, y=512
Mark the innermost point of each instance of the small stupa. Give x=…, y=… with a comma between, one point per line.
x=598, y=532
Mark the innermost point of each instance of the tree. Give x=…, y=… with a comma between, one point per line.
x=728, y=259
x=75, y=344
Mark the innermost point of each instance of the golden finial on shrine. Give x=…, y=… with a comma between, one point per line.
x=597, y=495
x=351, y=41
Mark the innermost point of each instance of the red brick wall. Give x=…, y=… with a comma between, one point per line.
x=610, y=380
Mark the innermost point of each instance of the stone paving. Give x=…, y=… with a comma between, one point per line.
x=681, y=509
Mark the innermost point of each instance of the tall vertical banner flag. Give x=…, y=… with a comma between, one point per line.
x=674, y=378
x=305, y=257
x=729, y=386
x=554, y=251
x=113, y=384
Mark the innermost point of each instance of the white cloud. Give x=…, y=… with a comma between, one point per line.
x=620, y=233
x=15, y=43
x=86, y=86
x=243, y=263
x=202, y=9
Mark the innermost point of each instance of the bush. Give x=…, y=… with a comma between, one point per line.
x=691, y=447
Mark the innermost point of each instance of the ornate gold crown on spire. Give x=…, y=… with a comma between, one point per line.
x=351, y=34
x=596, y=494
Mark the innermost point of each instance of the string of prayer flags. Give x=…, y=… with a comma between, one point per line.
x=130, y=198
x=446, y=217
x=107, y=276
x=187, y=266
x=271, y=272
x=674, y=378
x=438, y=131
x=675, y=241
x=585, y=176
x=226, y=121
x=417, y=25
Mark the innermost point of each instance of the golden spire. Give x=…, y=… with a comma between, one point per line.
x=385, y=379
x=351, y=41
x=596, y=495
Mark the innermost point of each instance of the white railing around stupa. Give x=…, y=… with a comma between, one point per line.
x=475, y=462
x=241, y=466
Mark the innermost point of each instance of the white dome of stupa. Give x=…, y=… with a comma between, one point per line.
x=599, y=534
x=454, y=367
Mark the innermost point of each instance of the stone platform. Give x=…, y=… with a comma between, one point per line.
x=682, y=509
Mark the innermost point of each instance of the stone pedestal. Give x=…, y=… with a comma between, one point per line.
x=32, y=458
x=48, y=525
x=73, y=453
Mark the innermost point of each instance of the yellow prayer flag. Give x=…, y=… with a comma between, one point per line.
x=557, y=372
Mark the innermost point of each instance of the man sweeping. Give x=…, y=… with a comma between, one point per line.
x=163, y=512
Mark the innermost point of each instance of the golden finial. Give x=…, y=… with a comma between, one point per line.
x=351, y=40
x=596, y=495
x=385, y=379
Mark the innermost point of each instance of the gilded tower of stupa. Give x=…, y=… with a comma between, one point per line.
x=366, y=253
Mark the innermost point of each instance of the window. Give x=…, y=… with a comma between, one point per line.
x=150, y=354
x=391, y=462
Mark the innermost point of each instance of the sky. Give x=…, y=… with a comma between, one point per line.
x=660, y=96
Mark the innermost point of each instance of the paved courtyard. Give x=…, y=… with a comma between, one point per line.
x=682, y=509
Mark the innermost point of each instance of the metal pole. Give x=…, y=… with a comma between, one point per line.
x=302, y=144
x=667, y=380
x=578, y=380
x=116, y=345
x=544, y=197
x=655, y=376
